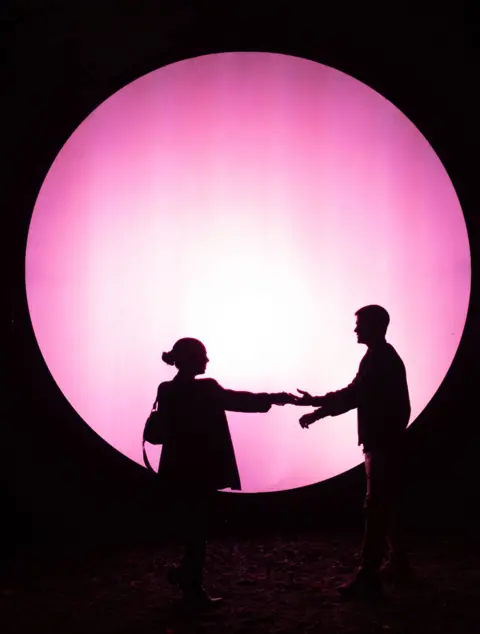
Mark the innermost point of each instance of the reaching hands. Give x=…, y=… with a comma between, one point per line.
x=306, y=399
x=284, y=398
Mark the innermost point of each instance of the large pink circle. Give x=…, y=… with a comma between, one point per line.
x=254, y=201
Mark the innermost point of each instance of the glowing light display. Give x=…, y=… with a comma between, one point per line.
x=254, y=201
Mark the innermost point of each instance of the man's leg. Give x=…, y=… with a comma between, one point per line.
x=367, y=582
x=397, y=566
x=377, y=511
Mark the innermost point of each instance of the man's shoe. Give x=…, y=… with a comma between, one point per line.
x=194, y=594
x=198, y=598
x=365, y=585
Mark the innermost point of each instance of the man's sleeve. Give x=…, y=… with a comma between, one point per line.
x=341, y=401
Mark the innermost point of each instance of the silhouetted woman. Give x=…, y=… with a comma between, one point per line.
x=197, y=456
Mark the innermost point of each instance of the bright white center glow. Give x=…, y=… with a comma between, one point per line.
x=254, y=201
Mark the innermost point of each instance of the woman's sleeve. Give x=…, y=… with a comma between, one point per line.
x=234, y=401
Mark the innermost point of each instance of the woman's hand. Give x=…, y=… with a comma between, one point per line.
x=283, y=398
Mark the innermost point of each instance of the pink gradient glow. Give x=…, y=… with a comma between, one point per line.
x=254, y=201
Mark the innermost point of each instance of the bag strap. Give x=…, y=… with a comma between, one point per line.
x=145, y=457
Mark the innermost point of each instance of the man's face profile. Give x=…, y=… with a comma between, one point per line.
x=360, y=330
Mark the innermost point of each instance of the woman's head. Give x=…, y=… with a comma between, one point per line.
x=188, y=355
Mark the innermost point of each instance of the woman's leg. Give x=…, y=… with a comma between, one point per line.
x=198, y=509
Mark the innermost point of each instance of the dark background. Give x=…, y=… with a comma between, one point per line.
x=63, y=58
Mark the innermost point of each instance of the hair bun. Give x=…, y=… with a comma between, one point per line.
x=168, y=358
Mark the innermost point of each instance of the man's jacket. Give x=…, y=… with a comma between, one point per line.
x=380, y=393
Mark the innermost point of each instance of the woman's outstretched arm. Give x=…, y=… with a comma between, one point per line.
x=241, y=401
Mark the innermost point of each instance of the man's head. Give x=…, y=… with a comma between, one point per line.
x=372, y=324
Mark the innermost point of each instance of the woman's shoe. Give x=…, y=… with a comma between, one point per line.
x=397, y=570
x=174, y=575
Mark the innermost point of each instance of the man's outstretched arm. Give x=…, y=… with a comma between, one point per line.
x=335, y=403
x=332, y=403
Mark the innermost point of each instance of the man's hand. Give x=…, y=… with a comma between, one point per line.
x=307, y=419
x=305, y=395
x=284, y=398
x=308, y=399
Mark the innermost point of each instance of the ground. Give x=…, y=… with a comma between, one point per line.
x=271, y=583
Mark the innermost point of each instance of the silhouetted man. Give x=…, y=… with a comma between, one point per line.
x=379, y=392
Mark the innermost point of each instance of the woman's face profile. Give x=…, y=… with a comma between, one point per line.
x=202, y=361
